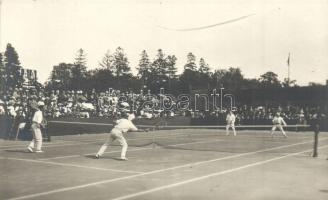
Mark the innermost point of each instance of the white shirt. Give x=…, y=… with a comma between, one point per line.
x=279, y=120
x=2, y=110
x=37, y=117
x=11, y=111
x=231, y=118
x=125, y=125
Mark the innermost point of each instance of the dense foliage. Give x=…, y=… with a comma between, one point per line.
x=114, y=71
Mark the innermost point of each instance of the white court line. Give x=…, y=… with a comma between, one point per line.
x=74, y=143
x=70, y=165
x=149, y=173
x=210, y=175
x=50, y=146
x=22, y=145
x=55, y=144
x=136, y=149
x=89, y=154
x=77, y=142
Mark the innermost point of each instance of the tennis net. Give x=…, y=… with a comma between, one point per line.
x=197, y=138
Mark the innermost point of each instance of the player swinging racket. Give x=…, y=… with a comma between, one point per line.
x=123, y=125
x=278, y=122
x=231, y=118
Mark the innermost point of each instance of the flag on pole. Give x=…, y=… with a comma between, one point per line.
x=288, y=59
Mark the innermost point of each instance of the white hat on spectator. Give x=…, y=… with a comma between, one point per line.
x=40, y=103
x=125, y=104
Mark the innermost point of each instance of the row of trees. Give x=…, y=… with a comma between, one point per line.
x=114, y=72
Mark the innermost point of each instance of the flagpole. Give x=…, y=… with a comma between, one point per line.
x=288, y=75
x=288, y=64
x=0, y=26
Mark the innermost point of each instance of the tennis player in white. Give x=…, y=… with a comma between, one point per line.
x=122, y=126
x=231, y=118
x=36, y=129
x=278, y=122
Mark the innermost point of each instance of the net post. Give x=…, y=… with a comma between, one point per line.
x=45, y=133
x=153, y=140
x=316, y=137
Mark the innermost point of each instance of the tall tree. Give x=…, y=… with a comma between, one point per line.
x=270, y=80
x=80, y=58
x=120, y=63
x=80, y=64
x=2, y=76
x=144, y=69
x=171, y=69
x=144, y=65
x=159, y=65
x=203, y=67
x=203, y=74
x=190, y=75
x=191, y=62
x=79, y=71
x=107, y=61
x=12, y=67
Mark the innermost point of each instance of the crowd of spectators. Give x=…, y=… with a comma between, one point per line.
x=14, y=105
x=261, y=115
x=110, y=104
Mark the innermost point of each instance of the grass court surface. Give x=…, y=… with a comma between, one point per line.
x=184, y=164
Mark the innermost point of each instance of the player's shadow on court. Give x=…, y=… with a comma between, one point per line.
x=103, y=157
x=17, y=151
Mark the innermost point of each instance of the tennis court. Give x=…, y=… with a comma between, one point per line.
x=169, y=164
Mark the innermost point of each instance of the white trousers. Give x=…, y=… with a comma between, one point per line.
x=114, y=135
x=232, y=127
x=279, y=126
x=37, y=137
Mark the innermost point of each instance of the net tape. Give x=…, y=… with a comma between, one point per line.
x=184, y=126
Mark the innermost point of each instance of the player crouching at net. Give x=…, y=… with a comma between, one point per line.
x=122, y=125
x=278, y=122
x=231, y=118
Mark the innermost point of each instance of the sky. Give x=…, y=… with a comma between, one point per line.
x=48, y=32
